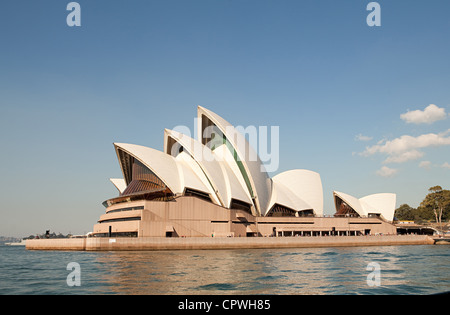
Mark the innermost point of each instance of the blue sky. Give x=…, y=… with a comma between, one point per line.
x=133, y=68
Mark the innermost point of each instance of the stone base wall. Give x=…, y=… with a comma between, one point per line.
x=161, y=243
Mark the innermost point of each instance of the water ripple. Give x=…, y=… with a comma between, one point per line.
x=403, y=270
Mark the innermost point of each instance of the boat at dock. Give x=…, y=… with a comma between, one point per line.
x=21, y=243
x=442, y=239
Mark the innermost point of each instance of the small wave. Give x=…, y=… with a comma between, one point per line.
x=381, y=259
x=218, y=286
x=270, y=278
x=290, y=254
x=329, y=254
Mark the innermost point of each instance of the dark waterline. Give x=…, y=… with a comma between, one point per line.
x=414, y=269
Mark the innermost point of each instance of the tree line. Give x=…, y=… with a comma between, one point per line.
x=435, y=207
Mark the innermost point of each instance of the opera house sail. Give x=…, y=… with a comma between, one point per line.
x=376, y=205
x=216, y=185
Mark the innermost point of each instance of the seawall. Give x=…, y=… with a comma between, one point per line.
x=57, y=244
x=161, y=243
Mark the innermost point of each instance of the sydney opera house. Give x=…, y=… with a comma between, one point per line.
x=217, y=186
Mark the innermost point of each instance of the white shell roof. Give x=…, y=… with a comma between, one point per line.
x=164, y=166
x=119, y=183
x=212, y=166
x=235, y=183
x=259, y=179
x=383, y=203
x=190, y=177
x=351, y=201
x=283, y=196
x=176, y=174
x=305, y=185
x=205, y=159
x=218, y=174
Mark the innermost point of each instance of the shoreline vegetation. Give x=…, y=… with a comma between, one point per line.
x=434, y=210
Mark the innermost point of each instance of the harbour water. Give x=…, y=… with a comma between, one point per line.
x=412, y=269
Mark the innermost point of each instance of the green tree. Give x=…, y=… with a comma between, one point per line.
x=436, y=204
x=435, y=207
x=405, y=213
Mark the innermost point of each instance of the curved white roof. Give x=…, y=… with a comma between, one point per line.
x=164, y=166
x=192, y=177
x=235, y=183
x=383, y=204
x=210, y=165
x=284, y=196
x=305, y=185
x=119, y=183
x=176, y=174
x=231, y=170
x=205, y=159
x=253, y=169
x=351, y=201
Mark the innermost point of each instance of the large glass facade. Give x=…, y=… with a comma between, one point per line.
x=240, y=205
x=117, y=234
x=126, y=209
x=343, y=209
x=120, y=220
x=142, y=179
x=142, y=183
x=280, y=211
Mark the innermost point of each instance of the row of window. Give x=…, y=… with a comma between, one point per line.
x=126, y=209
x=117, y=234
x=120, y=220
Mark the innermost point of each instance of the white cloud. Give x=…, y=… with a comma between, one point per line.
x=446, y=165
x=387, y=172
x=405, y=148
x=404, y=157
x=360, y=137
x=429, y=115
x=425, y=164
